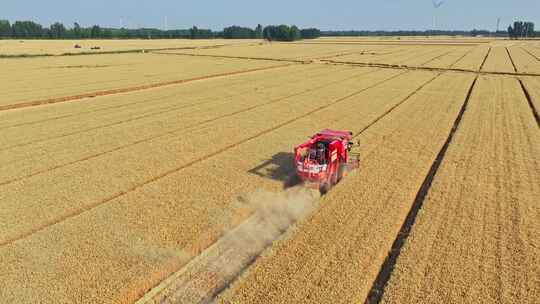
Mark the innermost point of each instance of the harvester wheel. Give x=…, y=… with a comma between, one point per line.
x=324, y=188
x=341, y=172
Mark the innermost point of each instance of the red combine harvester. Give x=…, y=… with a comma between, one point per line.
x=325, y=159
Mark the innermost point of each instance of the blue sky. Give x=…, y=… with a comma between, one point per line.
x=337, y=14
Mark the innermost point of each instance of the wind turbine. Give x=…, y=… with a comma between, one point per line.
x=436, y=5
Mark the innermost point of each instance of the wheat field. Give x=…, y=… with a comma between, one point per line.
x=163, y=176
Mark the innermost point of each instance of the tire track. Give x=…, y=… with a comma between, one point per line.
x=163, y=111
x=377, y=289
x=485, y=59
x=433, y=59
x=511, y=59
x=131, y=89
x=172, y=132
x=532, y=55
x=461, y=58
x=531, y=104
x=121, y=193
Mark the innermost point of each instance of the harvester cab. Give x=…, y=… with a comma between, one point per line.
x=325, y=159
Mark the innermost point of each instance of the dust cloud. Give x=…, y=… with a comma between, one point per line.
x=270, y=215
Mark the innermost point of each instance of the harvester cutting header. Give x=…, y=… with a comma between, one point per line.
x=325, y=159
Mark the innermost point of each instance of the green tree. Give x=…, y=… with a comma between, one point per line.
x=310, y=33
x=5, y=29
x=57, y=31
x=95, y=32
x=259, y=32
x=27, y=29
x=294, y=33
x=77, y=33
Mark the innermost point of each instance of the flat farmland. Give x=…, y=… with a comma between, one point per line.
x=59, y=47
x=165, y=176
x=285, y=51
x=51, y=78
x=477, y=235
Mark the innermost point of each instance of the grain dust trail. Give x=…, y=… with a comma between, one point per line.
x=216, y=267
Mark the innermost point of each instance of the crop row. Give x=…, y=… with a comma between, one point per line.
x=477, y=234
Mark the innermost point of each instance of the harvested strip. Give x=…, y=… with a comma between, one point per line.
x=477, y=236
x=474, y=61
x=335, y=255
x=212, y=271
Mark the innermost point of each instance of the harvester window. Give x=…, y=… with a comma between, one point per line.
x=321, y=153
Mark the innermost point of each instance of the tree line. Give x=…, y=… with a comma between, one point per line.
x=472, y=33
x=522, y=29
x=33, y=30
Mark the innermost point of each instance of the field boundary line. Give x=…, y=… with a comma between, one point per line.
x=132, y=89
x=437, y=57
x=84, y=209
x=529, y=100
x=172, y=132
x=236, y=57
x=377, y=290
x=511, y=59
x=461, y=58
x=485, y=59
x=413, y=68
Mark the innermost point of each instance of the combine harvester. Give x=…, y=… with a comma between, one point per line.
x=325, y=159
